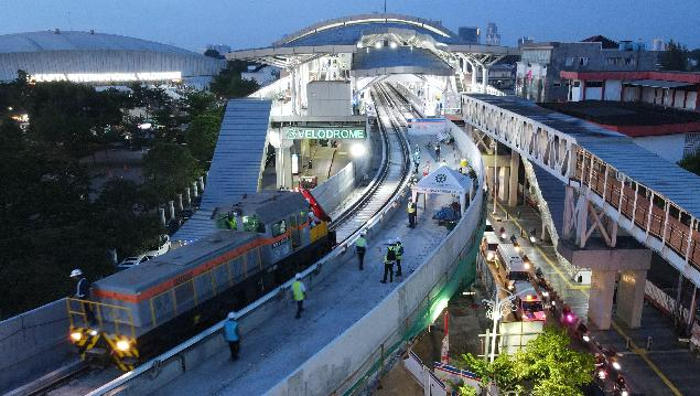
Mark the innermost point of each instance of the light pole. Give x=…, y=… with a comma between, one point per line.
x=495, y=173
x=497, y=309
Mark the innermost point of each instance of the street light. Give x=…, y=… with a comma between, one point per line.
x=498, y=309
x=495, y=173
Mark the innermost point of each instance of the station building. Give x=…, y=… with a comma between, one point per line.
x=99, y=58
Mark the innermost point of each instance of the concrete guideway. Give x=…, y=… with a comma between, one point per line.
x=277, y=347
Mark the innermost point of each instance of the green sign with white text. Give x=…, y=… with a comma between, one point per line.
x=324, y=133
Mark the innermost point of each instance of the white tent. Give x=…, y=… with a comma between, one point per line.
x=444, y=180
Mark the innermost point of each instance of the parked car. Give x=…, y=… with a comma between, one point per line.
x=162, y=248
x=132, y=261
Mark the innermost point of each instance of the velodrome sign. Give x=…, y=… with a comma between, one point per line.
x=316, y=133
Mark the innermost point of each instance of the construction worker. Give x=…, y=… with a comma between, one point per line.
x=230, y=222
x=232, y=335
x=411, y=209
x=361, y=249
x=299, y=294
x=82, y=291
x=389, y=260
x=438, y=150
x=399, y=254
x=82, y=285
x=416, y=159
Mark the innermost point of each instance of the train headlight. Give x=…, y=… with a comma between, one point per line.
x=616, y=365
x=76, y=336
x=123, y=345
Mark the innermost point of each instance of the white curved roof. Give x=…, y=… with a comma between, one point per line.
x=80, y=41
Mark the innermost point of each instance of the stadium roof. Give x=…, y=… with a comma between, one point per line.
x=80, y=41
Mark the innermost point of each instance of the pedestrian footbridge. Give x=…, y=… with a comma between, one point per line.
x=610, y=182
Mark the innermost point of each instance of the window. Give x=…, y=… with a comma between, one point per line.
x=584, y=61
x=629, y=61
x=279, y=228
x=570, y=61
x=252, y=224
x=594, y=84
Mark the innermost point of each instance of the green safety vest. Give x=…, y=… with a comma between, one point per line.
x=296, y=290
x=386, y=257
x=399, y=251
x=411, y=208
x=361, y=242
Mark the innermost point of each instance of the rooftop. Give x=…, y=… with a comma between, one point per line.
x=56, y=40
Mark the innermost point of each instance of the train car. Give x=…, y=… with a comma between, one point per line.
x=258, y=243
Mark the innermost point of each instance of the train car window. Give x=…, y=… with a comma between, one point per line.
x=279, y=228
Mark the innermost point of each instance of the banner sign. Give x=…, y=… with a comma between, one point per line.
x=316, y=133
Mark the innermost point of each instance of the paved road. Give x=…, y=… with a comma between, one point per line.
x=667, y=369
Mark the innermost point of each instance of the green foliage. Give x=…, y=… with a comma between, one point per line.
x=168, y=169
x=199, y=102
x=675, y=57
x=547, y=366
x=229, y=84
x=466, y=390
x=691, y=163
x=202, y=134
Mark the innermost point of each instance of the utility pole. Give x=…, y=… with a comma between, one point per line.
x=385, y=6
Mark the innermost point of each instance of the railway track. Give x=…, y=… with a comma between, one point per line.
x=393, y=173
x=391, y=179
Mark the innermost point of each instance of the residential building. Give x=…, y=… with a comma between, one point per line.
x=538, y=72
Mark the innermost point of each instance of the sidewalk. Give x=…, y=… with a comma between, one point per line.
x=667, y=369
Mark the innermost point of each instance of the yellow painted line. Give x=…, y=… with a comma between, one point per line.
x=544, y=255
x=642, y=353
x=583, y=289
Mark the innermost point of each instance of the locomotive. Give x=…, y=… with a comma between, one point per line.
x=258, y=243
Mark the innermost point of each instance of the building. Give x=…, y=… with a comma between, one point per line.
x=492, y=36
x=658, y=44
x=502, y=75
x=100, y=58
x=261, y=74
x=660, y=110
x=470, y=35
x=525, y=40
x=538, y=78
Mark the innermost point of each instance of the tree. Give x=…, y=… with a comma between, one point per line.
x=168, y=169
x=229, y=84
x=547, y=366
x=212, y=53
x=199, y=102
x=675, y=57
x=202, y=134
x=691, y=162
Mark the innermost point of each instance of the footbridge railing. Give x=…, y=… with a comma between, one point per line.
x=656, y=221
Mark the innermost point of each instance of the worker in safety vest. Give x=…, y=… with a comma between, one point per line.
x=82, y=285
x=82, y=291
x=399, y=254
x=230, y=222
x=411, y=210
x=299, y=294
x=389, y=260
x=361, y=249
x=232, y=335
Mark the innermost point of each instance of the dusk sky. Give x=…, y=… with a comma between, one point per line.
x=255, y=23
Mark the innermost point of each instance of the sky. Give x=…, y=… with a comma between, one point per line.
x=193, y=24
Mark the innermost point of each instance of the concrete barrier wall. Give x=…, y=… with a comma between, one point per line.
x=33, y=343
x=335, y=368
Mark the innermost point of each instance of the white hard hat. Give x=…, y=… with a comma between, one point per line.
x=232, y=315
x=297, y=276
x=76, y=272
x=398, y=240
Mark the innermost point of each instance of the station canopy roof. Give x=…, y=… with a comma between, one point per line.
x=355, y=33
